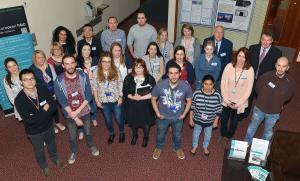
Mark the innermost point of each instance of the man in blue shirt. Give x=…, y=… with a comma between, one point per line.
x=174, y=101
x=113, y=34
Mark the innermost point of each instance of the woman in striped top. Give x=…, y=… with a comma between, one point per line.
x=205, y=112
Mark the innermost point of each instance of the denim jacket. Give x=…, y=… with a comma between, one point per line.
x=61, y=92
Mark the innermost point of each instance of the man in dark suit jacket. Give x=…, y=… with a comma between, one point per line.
x=88, y=37
x=223, y=47
x=263, y=56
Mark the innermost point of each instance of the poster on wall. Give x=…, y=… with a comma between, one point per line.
x=234, y=14
x=197, y=11
x=15, y=42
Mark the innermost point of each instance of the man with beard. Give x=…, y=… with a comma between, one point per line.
x=174, y=101
x=73, y=92
x=274, y=89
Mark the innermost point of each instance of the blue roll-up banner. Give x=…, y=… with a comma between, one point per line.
x=15, y=42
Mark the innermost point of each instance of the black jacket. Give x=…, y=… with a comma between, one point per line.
x=268, y=63
x=36, y=120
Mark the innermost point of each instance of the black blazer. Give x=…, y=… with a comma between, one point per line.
x=96, y=47
x=36, y=120
x=268, y=63
x=225, y=52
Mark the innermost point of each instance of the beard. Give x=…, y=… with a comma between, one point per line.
x=71, y=71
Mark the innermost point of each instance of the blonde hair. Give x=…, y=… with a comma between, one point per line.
x=35, y=53
x=113, y=45
x=161, y=30
x=112, y=73
x=56, y=44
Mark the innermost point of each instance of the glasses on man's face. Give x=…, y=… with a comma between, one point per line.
x=26, y=80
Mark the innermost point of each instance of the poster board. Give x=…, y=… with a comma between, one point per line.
x=200, y=12
x=15, y=42
x=235, y=14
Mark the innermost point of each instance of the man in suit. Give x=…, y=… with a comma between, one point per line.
x=223, y=48
x=263, y=57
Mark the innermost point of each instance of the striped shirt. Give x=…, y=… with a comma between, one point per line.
x=206, y=107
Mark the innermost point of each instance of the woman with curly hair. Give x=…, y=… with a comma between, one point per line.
x=64, y=37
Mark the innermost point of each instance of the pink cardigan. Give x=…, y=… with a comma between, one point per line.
x=243, y=88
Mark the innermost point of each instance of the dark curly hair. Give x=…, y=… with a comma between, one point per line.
x=70, y=38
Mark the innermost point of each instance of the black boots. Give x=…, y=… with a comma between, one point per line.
x=121, y=137
x=145, y=142
x=133, y=140
x=111, y=139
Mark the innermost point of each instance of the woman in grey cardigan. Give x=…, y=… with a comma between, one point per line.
x=189, y=42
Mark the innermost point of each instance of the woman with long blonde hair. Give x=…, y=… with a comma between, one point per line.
x=108, y=94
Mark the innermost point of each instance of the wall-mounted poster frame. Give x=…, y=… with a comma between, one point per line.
x=235, y=14
x=198, y=12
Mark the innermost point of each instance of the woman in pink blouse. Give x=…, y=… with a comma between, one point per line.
x=236, y=86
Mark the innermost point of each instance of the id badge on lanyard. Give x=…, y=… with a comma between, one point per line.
x=75, y=101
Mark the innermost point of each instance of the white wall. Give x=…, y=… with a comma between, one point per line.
x=44, y=15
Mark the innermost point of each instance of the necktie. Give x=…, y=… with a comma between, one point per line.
x=261, y=57
x=217, y=48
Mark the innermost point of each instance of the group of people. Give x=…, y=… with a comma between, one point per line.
x=161, y=86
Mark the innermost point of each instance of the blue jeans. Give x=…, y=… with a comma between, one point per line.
x=162, y=127
x=108, y=110
x=257, y=118
x=73, y=132
x=93, y=109
x=197, y=132
x=37, y=142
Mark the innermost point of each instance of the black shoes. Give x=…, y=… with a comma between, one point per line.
x=133, y=140
x=121, y=137
x=111, y=139
x=145, y=142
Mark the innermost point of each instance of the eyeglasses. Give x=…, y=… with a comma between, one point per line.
x=26, y=80
x=105, y=61
x=139, y=67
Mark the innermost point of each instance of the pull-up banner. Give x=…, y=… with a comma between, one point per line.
x=13, y=21
x=15, y=42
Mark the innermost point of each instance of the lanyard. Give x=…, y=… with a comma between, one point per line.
x=237, y=81
x=36, y=105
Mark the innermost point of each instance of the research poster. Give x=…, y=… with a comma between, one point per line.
x=234, y=14
x=15, y=42
x=197, y=11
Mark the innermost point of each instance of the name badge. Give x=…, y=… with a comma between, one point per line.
x=119, y=39
x=204, y=116
x=108, y=94
x=223, y=54
x=43, y=103
x=172, y=108
x=92, y=68
x=271, y=85
x=214, y=63
x=94, y=48
x=74, y=94
x=75, y=102
x=243, y=77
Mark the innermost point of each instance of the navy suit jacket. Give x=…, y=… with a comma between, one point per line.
x=268, y=63
x=225, y=52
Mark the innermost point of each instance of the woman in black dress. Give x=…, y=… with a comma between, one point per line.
x=137, y=89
